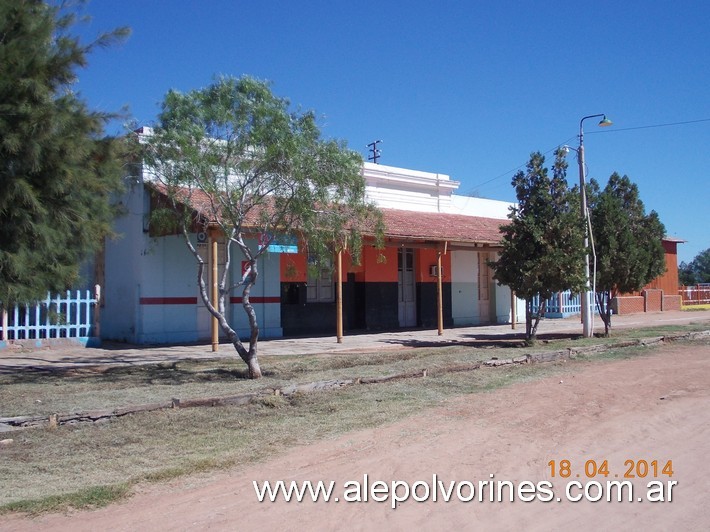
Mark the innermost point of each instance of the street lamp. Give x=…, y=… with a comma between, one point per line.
x=587, y=331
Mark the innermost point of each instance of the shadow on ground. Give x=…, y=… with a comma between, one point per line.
x=484, y=341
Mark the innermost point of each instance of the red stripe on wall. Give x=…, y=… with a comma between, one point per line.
x=168, y=301
x=193, y=300
x=256, y=299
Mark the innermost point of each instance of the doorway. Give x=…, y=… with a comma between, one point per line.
x=407, y=305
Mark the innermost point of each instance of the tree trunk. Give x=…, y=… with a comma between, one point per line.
x=528, y=319
x=540, y=312
x=532, y=319
x=604, y=302
x=253, y=365
x=249, y=357
x=251, y=360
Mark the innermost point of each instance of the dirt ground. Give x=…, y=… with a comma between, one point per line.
x=654, y=407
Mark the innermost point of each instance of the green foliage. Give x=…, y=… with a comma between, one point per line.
x=56, y=170
x=543, y=243
x=232, y=156
x=266, y=170
x=698, y=271
x=628, y=241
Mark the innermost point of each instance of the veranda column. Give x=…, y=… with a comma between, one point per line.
x=439, y=296
x=339, y=298
x=214, y=260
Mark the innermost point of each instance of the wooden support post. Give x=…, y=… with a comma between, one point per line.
x=214, y=260
x=439, y=295
x=339, y=298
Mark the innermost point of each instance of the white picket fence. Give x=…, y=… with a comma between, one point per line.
x=71, y=316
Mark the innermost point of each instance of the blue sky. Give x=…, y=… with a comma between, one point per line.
x=466, y=88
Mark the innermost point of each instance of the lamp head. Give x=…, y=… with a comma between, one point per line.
x=605, y=122
x=566, y=149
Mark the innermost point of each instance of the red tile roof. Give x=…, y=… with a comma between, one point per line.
x=399, y=224
x=442, y=227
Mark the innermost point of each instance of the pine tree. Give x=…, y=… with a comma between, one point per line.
x=57, y=170
x=542, y=245
x=628, y=242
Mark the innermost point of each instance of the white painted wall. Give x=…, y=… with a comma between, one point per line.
x=268, y=285
x=401, y=188
x=138, y=266
x=119, y=312
x=464, y=288
x=168, y=269
x=486, y=208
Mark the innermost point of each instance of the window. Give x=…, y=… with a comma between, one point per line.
x=320, y=283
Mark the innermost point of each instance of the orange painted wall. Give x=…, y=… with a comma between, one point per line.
x=294, y=268
x=425, y=259
x=374, y=272
x=668, y=282
x=350, y=267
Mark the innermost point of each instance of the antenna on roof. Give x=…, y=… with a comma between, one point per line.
x=374, y=151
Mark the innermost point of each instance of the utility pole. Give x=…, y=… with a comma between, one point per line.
x=587, y=329
x=374, y=151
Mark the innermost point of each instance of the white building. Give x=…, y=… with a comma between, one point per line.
x=151, y=291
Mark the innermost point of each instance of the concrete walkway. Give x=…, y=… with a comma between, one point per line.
x=59, y=358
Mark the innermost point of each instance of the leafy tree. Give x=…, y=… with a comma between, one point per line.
x=231, y=156
x=628, y=242
x=56, y=170
x=686, y=276
x=698, y=271
x=543, y=243
x=701, y=266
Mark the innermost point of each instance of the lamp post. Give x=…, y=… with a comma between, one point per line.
x=587, y=331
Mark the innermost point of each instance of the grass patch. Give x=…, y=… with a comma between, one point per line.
x=86, y=498
x=95, y=464
x=695, y=307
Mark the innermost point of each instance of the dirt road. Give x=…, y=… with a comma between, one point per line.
x=648, y=408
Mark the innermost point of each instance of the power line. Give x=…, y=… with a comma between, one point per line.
x=605, y=130
x=614, y=130
x=521, y=165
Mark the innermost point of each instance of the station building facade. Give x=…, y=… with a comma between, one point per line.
x=151, y=293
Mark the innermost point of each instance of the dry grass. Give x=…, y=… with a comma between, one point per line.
x=90, y=465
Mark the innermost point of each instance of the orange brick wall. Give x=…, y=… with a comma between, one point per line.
x=671, y=302
x=627, y=304
x=654, y=300
x=650, y=301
